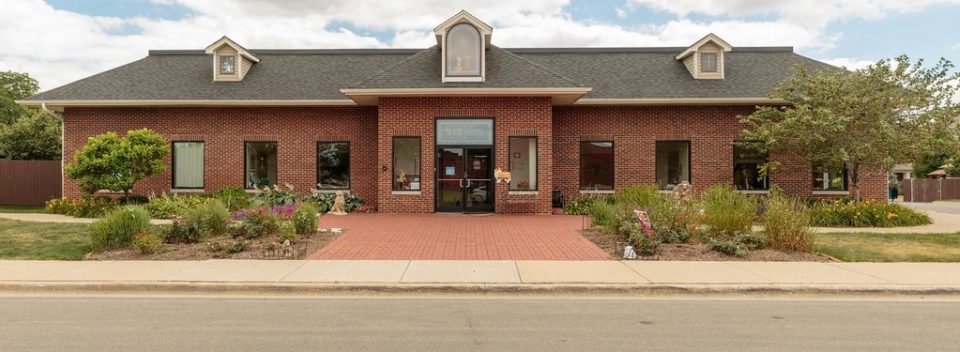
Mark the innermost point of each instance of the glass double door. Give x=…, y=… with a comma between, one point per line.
x=465, y=179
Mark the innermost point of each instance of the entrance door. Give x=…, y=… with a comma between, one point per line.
x=465, y=179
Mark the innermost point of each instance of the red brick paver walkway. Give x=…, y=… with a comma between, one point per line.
x=458, y=237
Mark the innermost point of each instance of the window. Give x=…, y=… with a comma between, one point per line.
x=708, y=62
x=188, y=165
x=260, y=164
x=747, y=160
x=596, y=166
x=228, y=64
x=333, y=165
x=523, y=163
x=406, y=163
x=829, y=178
x=673, y=163
x=463, y=51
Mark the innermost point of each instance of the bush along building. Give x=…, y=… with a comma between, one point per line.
x=423, y=130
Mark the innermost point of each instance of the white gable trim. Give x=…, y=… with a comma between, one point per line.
x=212, y=48
x=464, y=17
x=726, y=47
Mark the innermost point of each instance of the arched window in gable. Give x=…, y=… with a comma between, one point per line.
x=463, y=51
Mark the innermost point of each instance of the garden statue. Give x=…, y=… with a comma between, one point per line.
x=683, y=190
x=339, y=205
x=286, y=249
x=629, y=253
x=501, y=176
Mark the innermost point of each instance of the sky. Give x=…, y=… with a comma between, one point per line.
x=60, y=41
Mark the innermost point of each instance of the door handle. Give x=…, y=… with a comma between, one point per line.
x=461, y=183
x=468, y=183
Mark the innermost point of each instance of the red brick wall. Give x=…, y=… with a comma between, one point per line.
x=636, y=129
x=224, y=130
x=417, y=116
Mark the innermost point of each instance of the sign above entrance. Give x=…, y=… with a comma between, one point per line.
x=464, y=132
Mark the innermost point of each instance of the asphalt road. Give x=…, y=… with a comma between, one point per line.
x=110, y=323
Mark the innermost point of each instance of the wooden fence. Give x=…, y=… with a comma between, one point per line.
x=29, y=182
x=927, y=190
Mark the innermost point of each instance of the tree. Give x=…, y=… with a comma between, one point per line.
x=34, y=136
x=929, y=163
x=14, y=86
x=113, y=163
x=865, y=119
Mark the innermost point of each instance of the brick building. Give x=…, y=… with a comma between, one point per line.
x=424, y=130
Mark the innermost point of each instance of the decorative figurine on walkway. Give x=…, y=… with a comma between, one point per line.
x=339, y=205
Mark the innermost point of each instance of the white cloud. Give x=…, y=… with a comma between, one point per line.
x=849, y=63
x=58, y=47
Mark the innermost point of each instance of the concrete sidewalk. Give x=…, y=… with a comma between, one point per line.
x=404, y=275
x=44, y=217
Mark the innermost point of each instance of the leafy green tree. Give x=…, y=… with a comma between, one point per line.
x=116, y=163
x=929, y=163
x=891, y=111
x=34, y=136
x=14, y=86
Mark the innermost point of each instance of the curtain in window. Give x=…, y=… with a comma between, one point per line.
x=188, y=165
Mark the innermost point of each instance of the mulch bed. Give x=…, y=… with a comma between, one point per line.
x=613, y=244
x=265, y=247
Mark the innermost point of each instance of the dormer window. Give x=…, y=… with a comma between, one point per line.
x=463, y=51
x=705, y=58
x=708, y=62
x=463, y=40
x=228, y=64
x=231, y=62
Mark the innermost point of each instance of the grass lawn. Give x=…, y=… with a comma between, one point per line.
x=20, y=209
x=35, y=240
x=875, y=247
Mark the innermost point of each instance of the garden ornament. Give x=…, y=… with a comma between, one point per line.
x=683, y=190
x=339, y=205
x=644, y=222
x=629, y=253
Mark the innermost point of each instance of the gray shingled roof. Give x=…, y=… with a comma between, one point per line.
x=320, y=74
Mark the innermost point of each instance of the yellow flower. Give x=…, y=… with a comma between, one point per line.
x=891, y=216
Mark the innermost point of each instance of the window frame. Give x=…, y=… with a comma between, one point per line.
x=734, y=171
x=246, y=159
x=843, y=171
x=173, y=164
x=716, y=63
x=656, y=164
x=349, y=170
x=613, y=152
x=479, y=51
x=233, y=59
x=393, y=163
x=536, y=140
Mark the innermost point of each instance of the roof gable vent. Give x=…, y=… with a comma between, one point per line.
x=231, y=62
x=705, y=58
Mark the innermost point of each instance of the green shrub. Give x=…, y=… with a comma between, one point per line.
x=255, y=223
x=180, y=232
x=727, y=212
x=272, y=196
x=674, y=221
x=234, y=198
x=738, y=245
x=641, y=197
x=605, y=215
x=164, y=206
x=643, y=243
x=305, y=218
x=867, y=213
x=85, y=207
x=210, y=218
x=116, y=229
x=133, y=199
x=324, y=201
x=239, y=246
x=786, y=223
x=580, y=206
x=148, y=241
x=286, y=232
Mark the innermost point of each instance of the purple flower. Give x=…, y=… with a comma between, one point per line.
x=284, y=211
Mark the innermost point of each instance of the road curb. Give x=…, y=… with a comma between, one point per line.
x=214, y=288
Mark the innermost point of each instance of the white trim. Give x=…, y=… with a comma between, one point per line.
x=463, y=16
x=523, y=193
x=724, y=46
x=329, y=191
x=60, y=104
x=831, y=193
x=681, y=101
x=462, y=78
x=561, y=96
x=187, y=190
x=405, y=193
x=753, y=191
x=212, y=48
x=599, y=192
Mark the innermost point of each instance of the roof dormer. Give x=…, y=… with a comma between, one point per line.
x=705, y=58
x=463, y=40
x=231, y=62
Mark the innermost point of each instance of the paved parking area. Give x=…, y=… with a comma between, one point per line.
x=458, y=237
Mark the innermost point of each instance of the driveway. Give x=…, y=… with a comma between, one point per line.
x=942, y=207
x=458, y=237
